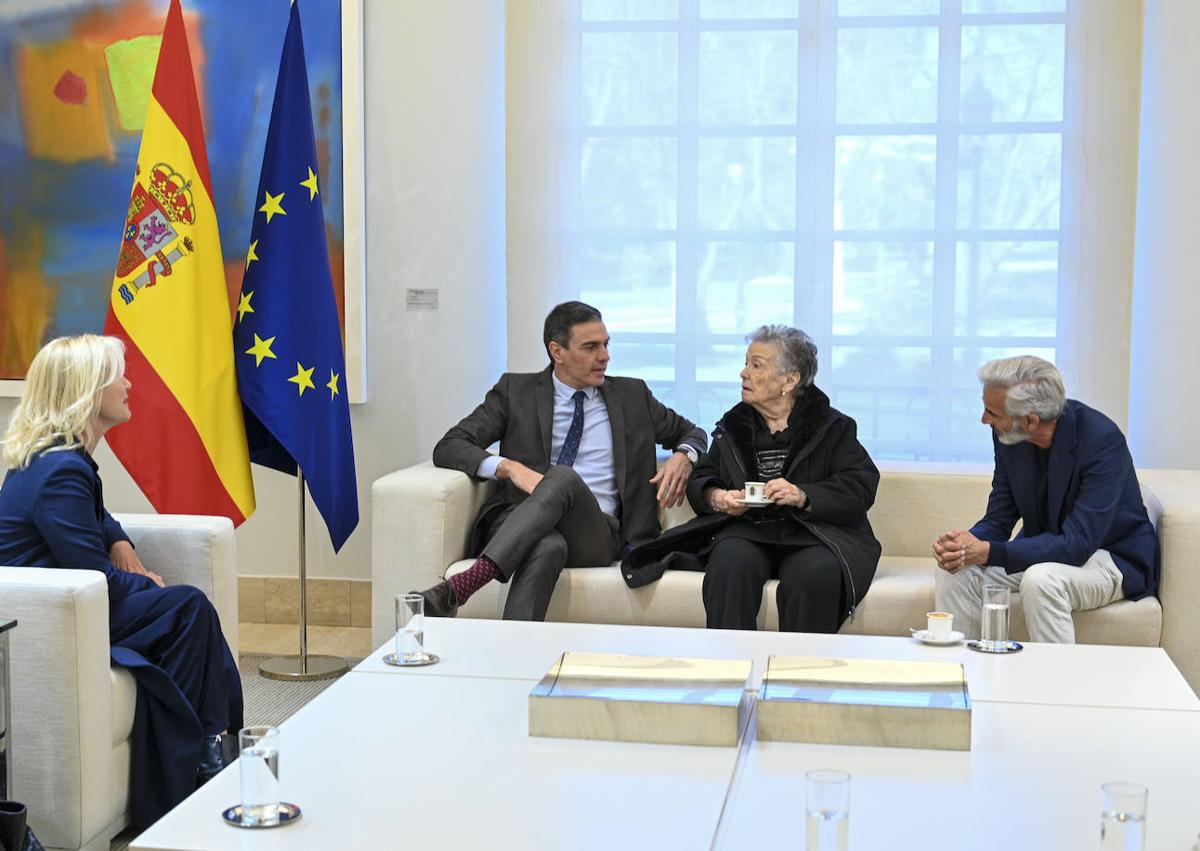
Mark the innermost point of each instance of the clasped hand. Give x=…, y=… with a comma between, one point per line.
x=958, y=548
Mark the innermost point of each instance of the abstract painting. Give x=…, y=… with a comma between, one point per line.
x=75, y=77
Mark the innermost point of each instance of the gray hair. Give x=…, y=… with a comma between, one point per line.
x=797, y=351
x=1034, y=386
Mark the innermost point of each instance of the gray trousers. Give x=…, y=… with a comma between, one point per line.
x=559, y=525
x=1048, y=592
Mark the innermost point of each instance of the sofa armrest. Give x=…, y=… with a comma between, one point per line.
x=1178, y=492
x=191, y=549
x=61, y=700
x=421, y=519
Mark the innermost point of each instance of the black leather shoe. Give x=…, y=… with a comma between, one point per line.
x=440, y=600
x=212, y=760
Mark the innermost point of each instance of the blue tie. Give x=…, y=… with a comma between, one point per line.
x=570, y=447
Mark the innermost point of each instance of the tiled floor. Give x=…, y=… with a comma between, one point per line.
x=285, y=638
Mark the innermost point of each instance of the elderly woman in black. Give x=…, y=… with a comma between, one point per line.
x=813, y=534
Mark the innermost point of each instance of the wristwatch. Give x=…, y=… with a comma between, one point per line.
x=689, y=451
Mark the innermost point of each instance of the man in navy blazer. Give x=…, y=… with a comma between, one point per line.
x=1064, y=470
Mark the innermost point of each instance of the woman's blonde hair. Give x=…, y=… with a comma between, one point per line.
x=62, y=395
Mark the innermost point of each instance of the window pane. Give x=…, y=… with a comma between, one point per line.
x=888, y=7
x=874, y=365
x=632, y=283
x=887, y=75
x=1009, y=180
x=882, y=288
x=1013, y=73
x=630, y=78
x=748, y=77
x=749, y=8
x=629, y=10
x=713, y=400
x=654, y=362
x=1006, y=289
x=968, y=359
x=747, y=184
x=628, y=183
x=884, y=182
x=721, y=363
x=972, y=6
x=744, y=284
x=892, y=416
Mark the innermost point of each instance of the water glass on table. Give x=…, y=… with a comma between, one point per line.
x=410, y=627
x=258, y=760
x=993, y=631
x=1123, y=817
x=827, y=803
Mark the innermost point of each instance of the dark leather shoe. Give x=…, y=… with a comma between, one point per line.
x=212, y=760
x=440, y=600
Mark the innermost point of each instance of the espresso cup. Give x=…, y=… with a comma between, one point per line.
x=939, y=625
x=754, y=490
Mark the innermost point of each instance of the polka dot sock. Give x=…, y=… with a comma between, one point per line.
x=482, y=572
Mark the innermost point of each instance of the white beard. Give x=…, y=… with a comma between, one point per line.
x=1012, y=438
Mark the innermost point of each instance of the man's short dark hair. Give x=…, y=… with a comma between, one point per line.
x=563, y=318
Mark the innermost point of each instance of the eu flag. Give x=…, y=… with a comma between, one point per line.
x=288, y=343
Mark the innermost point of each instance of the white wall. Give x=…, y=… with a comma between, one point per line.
x=435, y=218
x=1164, y=405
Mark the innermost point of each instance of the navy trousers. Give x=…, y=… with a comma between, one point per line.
x=188, y=686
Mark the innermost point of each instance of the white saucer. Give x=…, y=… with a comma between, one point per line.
x=748, y=501
x=922, y=635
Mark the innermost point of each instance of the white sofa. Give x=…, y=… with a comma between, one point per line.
x=421, y=517
x=72, y=711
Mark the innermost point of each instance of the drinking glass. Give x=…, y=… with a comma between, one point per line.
x=1123, y=817
x=410, y=628
x=258, y=758
x=827, y=802
x=993, y=632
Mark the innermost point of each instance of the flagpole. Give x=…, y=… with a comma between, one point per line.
x=304, y=666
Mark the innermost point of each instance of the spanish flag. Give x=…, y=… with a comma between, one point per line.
x=186, y=444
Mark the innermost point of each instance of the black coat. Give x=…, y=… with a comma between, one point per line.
x=826, y=461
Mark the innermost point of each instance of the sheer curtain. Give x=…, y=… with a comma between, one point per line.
x=913, y=182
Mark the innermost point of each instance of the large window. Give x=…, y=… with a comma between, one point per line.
x=886, y=174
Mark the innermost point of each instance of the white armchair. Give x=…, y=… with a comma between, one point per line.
x=72, y=712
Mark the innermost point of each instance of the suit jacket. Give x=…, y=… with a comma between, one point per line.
x=1094, y=502
x=52, y=514
x=519, y=412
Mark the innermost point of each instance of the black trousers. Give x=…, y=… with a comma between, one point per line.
x=810, y=585
x=559, y=525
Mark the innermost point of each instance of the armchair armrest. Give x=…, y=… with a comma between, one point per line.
x=1178, y=494
x=61, y=700
x=191, y=549
x=421, y=520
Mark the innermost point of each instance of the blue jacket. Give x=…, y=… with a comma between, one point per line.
x=1094, y=502
x=52, y=514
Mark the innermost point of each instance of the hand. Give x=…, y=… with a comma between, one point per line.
x=784, y=493
x=958, y=548
x=524, y=478
x=726, y=501
x=672, y=480
x=125, y=558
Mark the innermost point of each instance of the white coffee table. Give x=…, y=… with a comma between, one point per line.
x=439, y=757
x=431, y=763
x=1031, y=781
x=1082, y=675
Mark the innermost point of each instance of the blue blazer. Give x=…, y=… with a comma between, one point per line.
x=52, y=515
x=1094, y=503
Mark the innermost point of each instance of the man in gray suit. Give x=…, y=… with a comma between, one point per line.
x=575, y=480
